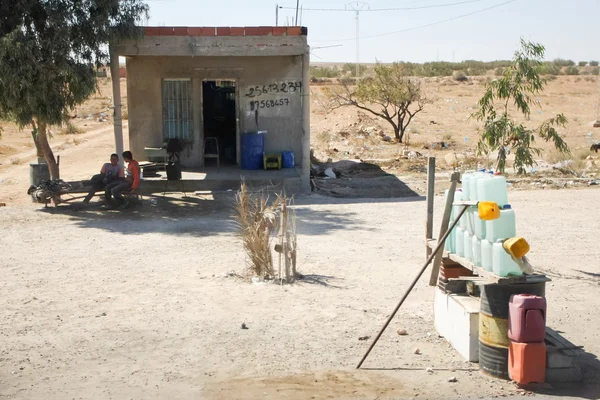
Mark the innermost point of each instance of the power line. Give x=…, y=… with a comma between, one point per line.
x=389, y=9
x=420, y=26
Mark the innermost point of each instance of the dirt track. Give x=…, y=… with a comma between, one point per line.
x=139, y=305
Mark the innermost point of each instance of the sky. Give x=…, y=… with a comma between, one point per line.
x=567, y=28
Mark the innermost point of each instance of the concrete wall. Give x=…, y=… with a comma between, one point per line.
x=279, y=111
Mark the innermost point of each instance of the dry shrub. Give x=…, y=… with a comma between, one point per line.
x=125, y=115
x=70, y=129
x=15, y=161
x=257, y=220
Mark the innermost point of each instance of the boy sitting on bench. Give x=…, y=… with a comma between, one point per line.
x=109, y=173
x=131, y=181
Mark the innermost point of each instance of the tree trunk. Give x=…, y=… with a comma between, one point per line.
x=397, y=134
x=402, y=130
x=42, y=138
x=39, y=152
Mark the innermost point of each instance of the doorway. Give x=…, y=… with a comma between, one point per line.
x=219, y=116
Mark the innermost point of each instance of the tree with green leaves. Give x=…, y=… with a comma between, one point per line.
x=49, y=50
x=389, y=94
x=518, y=86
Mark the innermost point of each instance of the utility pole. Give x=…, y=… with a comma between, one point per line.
x=357, y=7
x=276, y=14
x=297, y=6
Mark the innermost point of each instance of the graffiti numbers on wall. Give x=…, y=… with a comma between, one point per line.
x=256, y=104
x=274, y=88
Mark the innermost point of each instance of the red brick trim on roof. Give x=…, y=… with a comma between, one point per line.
x=225, y=31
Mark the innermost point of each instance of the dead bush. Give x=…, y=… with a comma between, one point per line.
x=258, y=220
x=70, y=129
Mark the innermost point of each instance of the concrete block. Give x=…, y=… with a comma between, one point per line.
x=251, y=31
x=294, y=31
x=564, y=375
x=223, y=31
x=456, y=318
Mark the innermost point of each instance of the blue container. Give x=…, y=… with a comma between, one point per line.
x=287, y=159
x=253, y=148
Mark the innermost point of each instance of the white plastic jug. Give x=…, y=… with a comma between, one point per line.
x=449, y=243
x=476, y=250
x=493, y=188
x=466, y=179
x=473, y=179
x=503, y=227
x=479, y=225
x=486, y=255
x=502, y=262
x=459, y=239
x=467, y=246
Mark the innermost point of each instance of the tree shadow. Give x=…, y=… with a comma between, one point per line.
x=194, y=215
x=170, y=214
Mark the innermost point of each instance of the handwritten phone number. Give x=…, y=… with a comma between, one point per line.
x=285, y=87
x=256, y=104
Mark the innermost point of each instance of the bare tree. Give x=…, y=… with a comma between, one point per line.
x=389, y=94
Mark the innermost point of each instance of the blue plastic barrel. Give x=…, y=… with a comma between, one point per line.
x=287, y=159
x=253, y=148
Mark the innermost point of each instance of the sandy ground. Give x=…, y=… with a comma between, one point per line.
x=140, y=305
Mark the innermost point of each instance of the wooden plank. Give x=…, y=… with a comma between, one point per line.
x=430, y=197
x=435, y=271
x=493, y=278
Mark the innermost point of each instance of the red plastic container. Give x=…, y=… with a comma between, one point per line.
x=527, y=362
x=527, y=318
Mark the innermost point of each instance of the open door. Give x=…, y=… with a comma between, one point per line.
x=220, y=122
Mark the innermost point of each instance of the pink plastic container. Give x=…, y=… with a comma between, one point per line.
x=527, y=318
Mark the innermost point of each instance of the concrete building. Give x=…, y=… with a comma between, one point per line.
x=194, y=83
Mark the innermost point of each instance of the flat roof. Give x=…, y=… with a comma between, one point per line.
x=225, y=31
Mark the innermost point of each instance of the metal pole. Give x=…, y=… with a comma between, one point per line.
x=297, y=6
x=276, y=14
x=115, y=75
x=357, y=43
x=305, y=170
x=439, y=246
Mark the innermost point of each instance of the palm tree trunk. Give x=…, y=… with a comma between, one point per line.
x=42, y=138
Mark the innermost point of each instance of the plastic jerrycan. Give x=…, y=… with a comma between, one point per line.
x=476, y=250
x=493, y=189
x=474, y=224
x=450, y=244
x=502, y=262
x=459, y=240
x=503, y=227
x=466, y=178
x=468, y=246
x=486, y=255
